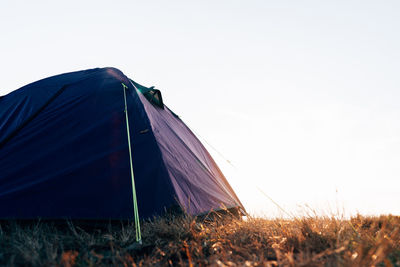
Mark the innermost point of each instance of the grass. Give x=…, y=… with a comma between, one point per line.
x=184, y=241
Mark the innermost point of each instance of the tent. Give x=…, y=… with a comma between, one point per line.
x=94, y=144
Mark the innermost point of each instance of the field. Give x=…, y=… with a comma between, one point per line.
x=184, y=241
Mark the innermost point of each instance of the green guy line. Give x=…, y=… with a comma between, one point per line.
x=135, y=206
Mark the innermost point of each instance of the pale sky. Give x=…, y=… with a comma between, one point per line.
x=301, y=96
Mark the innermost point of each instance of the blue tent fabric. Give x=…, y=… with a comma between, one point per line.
x=64, y=153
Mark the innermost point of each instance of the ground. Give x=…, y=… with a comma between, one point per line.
x=188, y=241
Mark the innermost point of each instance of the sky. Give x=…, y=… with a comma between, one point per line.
x=301, y=97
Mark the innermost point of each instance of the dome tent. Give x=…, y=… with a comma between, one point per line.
x=68, y=149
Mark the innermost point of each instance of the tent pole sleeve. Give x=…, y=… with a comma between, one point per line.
x=135, y=206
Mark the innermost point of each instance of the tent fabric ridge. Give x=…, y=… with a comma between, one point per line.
x=29, y=119
x=51, y=99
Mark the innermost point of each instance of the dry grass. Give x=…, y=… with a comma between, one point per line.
x=175, y=241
